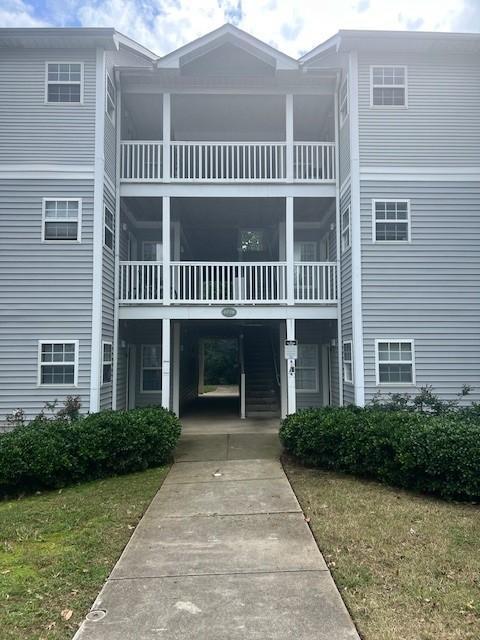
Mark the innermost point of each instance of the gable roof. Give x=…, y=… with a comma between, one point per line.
x=231, y=35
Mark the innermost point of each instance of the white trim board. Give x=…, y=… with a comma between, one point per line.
x=158, y=311
x=243, y=190
x=420, y=174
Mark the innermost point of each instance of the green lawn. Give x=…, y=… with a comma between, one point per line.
x=57, y=548
x=407, y=566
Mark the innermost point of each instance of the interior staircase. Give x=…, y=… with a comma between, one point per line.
x=261, y=384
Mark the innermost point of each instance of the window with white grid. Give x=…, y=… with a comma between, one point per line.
x=395, y=362
x=57, y=363
x=151, y=374
x=391, y=220
x=347, y=361
x=343, y=100
x=64, y=82
x=346, y=229
x=108, y=231
x=107, y=361
x=306, y=370
x=388, y=86
x=61, y=220
x=110, y=99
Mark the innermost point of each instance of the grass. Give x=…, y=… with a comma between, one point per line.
x=57, y=549
x=407, y=566
x=208, y=388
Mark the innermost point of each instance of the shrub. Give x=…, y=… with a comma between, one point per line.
x=426, y=452
x=54, y=453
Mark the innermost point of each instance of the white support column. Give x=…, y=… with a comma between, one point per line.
x=291, y=387
x=289, y=249
x=283, y=369
x=289, y=135
x=338, y=256
x=357, y=319
x=166, y=137
x=201, y=366
x=176, y=368
x=166, y=363
x=166, y=248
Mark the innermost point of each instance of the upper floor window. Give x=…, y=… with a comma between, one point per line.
x=343, y=100
x=61, y=220
x=64, y=82
x=388, y=86
x=391, y=221
x=107, y=360
x=110, y=99
x=58, y=363
x=108, y=228
x=395, y=362
x=306, y=370
x=347, y=361
x=346, y=229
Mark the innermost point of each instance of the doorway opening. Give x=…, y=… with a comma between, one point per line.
x=219, y=368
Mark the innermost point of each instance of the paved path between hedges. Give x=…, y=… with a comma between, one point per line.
x=222, y=553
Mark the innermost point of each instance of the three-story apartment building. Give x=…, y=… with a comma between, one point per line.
x=328, y=205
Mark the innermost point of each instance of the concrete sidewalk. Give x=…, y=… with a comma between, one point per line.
x=223, y=552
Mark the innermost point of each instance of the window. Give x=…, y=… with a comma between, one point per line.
x=61, y=220
x=151, y=368
x=110, y=99
x=395, y=362
x=58, y=363
x=391, y=221
x=306, y=374
x=106, y=362
x=108, y=228
x=388, y=86
x=346, y=226
x=252, y=241
x=347, y=361
x=343, y=99
x=64, y=82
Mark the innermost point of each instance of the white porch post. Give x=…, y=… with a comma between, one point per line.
x=166, y=137
x=289, y=250
x=283, y=370
x=201, y=366
x=166, y=248
x=176, y=368
x=289, y=135
x=291, y=388
x=166, y=363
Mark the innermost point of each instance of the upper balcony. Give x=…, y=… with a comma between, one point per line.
x=227, y=139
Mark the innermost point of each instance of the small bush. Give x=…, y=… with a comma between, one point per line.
x=54, y=453
x=426, y=452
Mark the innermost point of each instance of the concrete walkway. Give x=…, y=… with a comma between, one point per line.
x=222, y=553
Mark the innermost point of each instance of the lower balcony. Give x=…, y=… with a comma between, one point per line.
x=228, y=283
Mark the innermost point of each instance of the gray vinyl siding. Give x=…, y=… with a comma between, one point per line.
x=46, y=292
x=121, y=375
x=344, y=148
x=440, y=127
x=108, y=301
x=428, y=290
x=346, y=315
x=34, y=132
x=110, y=137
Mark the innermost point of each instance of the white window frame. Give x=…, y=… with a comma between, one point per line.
x=346, y=247
x=47, y=82
x=345, y=361
x=409, y=341
x=108, y=99
x=78, y=239
x=149, y=391
x=106, y=226
x=343, y=102
x=313, y=346
x=407, y=221
x=40, y=363
x=389, y=86
x=107, y=362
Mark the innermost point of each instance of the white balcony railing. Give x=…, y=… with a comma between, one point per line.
x=228, y=283
x=315, y=282
x=142, y=161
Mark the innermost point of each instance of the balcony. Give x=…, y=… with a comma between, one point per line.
x=224, y=283
x=143, y=161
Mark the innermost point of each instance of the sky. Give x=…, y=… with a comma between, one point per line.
x=293, y=26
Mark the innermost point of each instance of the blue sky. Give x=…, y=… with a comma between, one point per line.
x=294, y=26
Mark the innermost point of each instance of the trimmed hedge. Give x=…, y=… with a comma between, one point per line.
x=54, y=453
x=433, y=454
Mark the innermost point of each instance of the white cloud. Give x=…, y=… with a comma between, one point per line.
x=294, y=26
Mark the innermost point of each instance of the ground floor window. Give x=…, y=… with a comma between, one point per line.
x=107, y=362
x=306, y=374
x=151, y=374
x=347, y=361
x=395, y=361
x=57, y=363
